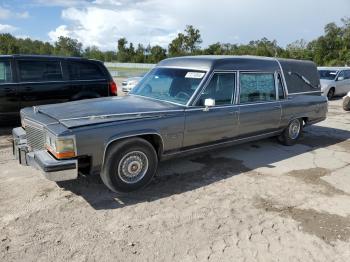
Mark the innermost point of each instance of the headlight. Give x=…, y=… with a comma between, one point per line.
x=61, y=148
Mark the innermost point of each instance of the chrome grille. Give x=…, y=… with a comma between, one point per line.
x=35, y=137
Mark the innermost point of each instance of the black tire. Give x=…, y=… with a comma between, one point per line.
x=346, y=103
x=292, y=133
x=331, y=93
x=129, y=165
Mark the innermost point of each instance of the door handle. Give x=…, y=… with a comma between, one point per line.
x=277, y=107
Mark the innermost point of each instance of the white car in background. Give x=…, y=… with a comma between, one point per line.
x=130, y=83
x=335, y=81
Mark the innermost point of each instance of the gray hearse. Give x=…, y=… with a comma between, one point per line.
x=183, y=105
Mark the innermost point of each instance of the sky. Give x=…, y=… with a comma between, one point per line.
x=103, y=22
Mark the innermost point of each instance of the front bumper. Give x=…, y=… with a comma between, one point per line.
x=53, y=169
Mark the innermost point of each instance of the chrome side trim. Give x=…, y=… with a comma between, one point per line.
x=201, y=108
x=128, y=136
x=223, y=143
x=123, y=114
x=308, y=92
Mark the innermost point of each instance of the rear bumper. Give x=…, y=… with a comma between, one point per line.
x=53, y=169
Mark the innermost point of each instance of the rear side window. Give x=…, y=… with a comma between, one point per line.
x=257, y=87
x=84, y=71
x=39, y=71
x=5, y=72
x=347, y=74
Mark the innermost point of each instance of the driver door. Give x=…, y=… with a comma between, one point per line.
x=220, y=122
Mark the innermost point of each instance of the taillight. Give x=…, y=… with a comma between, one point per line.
x=113, y=89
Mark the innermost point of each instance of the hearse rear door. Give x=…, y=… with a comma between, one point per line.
x=259, y=107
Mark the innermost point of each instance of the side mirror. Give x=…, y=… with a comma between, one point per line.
x=340, y=78
x=209, y=102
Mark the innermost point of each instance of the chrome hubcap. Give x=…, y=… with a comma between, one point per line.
x=294, y=129
x=133, y=167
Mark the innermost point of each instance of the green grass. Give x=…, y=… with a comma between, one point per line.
x=128, y=72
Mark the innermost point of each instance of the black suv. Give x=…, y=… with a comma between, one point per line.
x=36, y=80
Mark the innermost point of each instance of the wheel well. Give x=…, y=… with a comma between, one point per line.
x=305, y=119
x=154, y=139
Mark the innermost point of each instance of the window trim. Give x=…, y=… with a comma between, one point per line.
x=11, y=71
x=18, y=61
x=283, y=87
x=257, y=102
x=234, y=94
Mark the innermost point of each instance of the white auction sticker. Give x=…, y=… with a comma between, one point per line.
x=194, y=75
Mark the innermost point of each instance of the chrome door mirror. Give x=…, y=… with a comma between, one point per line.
x=209, y=102
x=340, y=78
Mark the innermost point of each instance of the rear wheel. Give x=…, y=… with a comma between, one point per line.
x=292, y=133
x=331, y=93
x=129, y=165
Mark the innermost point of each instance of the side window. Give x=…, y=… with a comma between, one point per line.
x=84, y=71
x=280, y=87
x=257, y=87
x=39, y=71
x=220, y=88
x=5, y=72
x=347, y=74
x=341, y=74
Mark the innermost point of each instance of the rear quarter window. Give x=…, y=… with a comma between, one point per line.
x=84, y=71
x=39, y=71
x=257, y=87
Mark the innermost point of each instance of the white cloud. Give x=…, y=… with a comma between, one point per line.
x=4, y=13
x=64, y=3
x=97, y=25
x=8, y=14
x=7, y=28
x=103, y=22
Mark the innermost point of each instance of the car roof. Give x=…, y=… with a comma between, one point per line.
x=225, y=62
x=337, y=68
x=46, y=57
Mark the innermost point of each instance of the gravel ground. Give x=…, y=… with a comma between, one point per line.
x=259, y=201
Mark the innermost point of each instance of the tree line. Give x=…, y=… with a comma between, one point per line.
x=332, y=48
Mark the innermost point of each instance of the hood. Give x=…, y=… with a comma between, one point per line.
x=108, y=109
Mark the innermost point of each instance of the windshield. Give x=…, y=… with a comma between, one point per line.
x=169, y=84
x=327, y=74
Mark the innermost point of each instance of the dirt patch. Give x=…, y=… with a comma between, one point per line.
x=313, y=176
x=328, y=227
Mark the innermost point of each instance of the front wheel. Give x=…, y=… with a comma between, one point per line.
x=331, y=93
x=292, y=133
x=129, y=165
